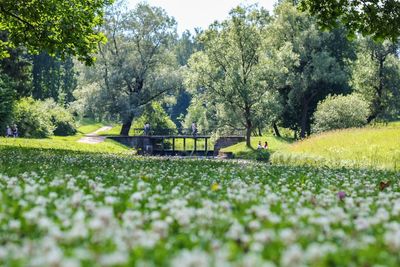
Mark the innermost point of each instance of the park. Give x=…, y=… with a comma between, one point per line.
x=266, y=136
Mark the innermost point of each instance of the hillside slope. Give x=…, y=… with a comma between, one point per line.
x=377, y=147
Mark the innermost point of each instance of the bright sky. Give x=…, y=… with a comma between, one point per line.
x=200, y=13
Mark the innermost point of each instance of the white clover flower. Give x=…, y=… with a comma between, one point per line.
x=254, y=225
x=194, y=258
x=292, y=256
x=264, y=236
x=14, y=224
x=160, y=227
x=287, y=236
x=136, y=197
x=236, y=231
x=115, y=258
x=316, y=251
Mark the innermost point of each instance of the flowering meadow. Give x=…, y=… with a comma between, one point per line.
x=68, y=208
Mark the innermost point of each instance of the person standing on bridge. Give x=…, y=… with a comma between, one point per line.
x=147, y=128
x=194, y=129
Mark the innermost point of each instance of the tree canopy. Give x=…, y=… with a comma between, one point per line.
x=380, y=19
x=57, y=27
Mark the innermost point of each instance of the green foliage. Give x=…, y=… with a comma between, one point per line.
x=320, y=65
x=7, y=96
x=61, y=119
x=380, y=19
x=233, y=70
x=376, y=76
x=340, y=112
x=53, y=78
x=137, y=66
x=371, y=147
x=155, y=115
x=17, y=67
x=57, y=27
x=35, y=118
x=32, y=118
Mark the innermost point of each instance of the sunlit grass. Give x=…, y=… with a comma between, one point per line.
x=377, y=146
x=64, y=143
x=274, y=144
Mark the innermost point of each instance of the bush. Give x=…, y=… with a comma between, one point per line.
x=32, y=118
x=62, y=119
x=339, y=112
x=35, y=118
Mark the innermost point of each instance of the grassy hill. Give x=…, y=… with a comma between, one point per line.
x=377, y=146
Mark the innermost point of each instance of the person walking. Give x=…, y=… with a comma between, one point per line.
x=147, y=128
x=194, y=129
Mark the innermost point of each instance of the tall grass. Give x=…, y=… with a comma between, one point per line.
x=377, y=147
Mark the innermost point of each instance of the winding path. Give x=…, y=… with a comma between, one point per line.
x=94, y=138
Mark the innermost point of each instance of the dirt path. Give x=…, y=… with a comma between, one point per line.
x=94, y=138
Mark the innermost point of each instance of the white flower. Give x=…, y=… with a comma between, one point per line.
x=194, y=258
x=292, y=256
x=116, y=258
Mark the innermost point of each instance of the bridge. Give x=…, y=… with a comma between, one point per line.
x=176, y=144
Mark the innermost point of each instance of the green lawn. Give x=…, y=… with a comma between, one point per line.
x=68, y=142
x=240, y=150
x=377, y=146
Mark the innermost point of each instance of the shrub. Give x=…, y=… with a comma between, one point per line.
x=339, y=112
x=32, y=118
x=62, y=119
x=35, y=118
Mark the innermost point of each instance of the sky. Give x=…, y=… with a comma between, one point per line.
x=200, y=13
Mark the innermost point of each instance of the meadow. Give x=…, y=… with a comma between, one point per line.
x=73, y=208
x=370, y=147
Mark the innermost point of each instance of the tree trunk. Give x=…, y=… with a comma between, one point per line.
x=249, y=126
x=303, y=124
x=276, y=130
x=248, y=136
x=126, y=126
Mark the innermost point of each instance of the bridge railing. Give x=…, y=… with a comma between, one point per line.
x=182, y=131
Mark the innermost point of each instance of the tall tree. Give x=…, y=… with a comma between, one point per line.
x=53, y=77
x=380, y=19
x=137, y=64
x=376, y=75
x=185, y=47
x=234, y=66
x=57, y=27
x=322, y=64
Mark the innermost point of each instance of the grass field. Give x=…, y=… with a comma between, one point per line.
x=68, y=142
x=74, y=208
x=368, y=147
x=274, y=144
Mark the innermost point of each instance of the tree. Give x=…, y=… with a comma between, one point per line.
x=184, y=48
x=321, y=68
x=380, y=19
x=376, y=76
x=53, y=78
x=137, y=65
x=57, y=27
x=231, y=69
